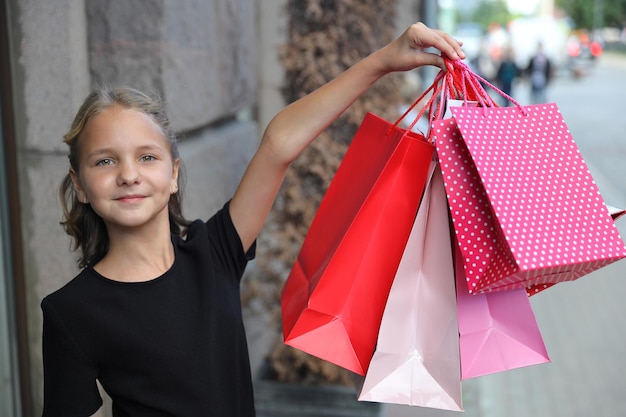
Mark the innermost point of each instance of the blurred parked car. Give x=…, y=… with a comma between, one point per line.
x=580, y=46
x=582, y=51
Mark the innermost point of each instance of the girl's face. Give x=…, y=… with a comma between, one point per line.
x=126, y=171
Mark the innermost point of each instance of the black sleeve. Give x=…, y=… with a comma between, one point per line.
x=222, y=229
x=70, y=388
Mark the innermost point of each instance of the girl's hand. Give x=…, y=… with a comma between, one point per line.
x=408, y=50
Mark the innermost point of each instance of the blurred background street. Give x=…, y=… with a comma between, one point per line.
x=582, y=322
x=225, y=68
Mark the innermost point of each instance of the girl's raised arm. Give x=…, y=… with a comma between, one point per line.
x=298, y=124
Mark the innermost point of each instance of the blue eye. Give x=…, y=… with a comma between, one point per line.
x=105, y=161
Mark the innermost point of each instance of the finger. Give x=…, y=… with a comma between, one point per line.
x=424, y=37
x=428, y=58
x=448, y=45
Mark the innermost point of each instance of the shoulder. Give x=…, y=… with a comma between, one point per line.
x=214, y=244
x=76, y=288
x=199, y=227
x=218, y=231
x=70, y=287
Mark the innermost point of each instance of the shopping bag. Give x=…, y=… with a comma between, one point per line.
x=335, y=294
x=525, y=208
x=498, y=330
x=416, y=361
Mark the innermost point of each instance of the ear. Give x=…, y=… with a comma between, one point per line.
x=175, y=170
x=80, y=192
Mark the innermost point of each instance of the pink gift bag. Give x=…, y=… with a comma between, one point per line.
x=416, y=361
x=498, y=330
x=525, y=208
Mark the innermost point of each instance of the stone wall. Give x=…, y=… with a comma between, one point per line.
x=200, y=55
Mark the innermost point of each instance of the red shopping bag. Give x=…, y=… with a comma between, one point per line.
x=498, y=330
x=334, y=297
x=525, y=208
x=416, y=361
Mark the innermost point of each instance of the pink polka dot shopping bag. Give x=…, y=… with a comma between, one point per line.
x=525, y=209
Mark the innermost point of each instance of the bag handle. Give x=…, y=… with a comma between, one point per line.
x=457, y=81
x=436, y=88
x=458, y=69
x=461, y=79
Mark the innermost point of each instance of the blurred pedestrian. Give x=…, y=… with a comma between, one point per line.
x=507, y=73
x=539, y=71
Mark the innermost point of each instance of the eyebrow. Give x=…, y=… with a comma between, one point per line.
x=107, y=151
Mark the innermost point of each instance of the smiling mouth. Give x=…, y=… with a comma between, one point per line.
x=130, y=198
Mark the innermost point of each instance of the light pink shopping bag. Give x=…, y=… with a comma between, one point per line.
x=498, y=330
x=525, y=208
x=417, y=360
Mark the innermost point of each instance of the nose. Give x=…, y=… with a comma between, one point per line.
x=128, y=173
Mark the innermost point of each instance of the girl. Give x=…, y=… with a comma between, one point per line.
x=156, y=318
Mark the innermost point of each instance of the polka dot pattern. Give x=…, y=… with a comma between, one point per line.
x=525, y=208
